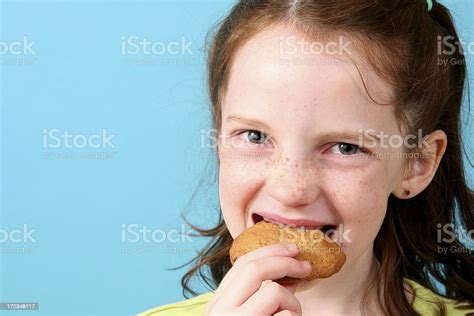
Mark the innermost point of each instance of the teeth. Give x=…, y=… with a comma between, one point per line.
x=326, y=227
x=277, y=223
x=270, y=221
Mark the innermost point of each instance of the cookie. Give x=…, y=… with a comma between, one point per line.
x=324, y=255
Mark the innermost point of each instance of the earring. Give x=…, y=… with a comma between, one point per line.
x=406, y=192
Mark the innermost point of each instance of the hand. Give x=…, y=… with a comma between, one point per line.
x=244, y=292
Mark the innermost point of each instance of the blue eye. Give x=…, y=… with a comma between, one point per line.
x=255, y=137
x=346, y=149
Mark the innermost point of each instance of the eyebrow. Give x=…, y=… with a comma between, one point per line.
x=349, y=135
x=253, y=122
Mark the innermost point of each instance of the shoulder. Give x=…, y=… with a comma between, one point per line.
x=191, y=307
x=425, y=301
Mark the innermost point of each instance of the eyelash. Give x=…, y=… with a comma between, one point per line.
x=359, y=150
x=253, y=130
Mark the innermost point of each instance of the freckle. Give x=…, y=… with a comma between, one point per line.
x=287, y=159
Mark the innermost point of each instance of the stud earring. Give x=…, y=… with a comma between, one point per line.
x=406, y=192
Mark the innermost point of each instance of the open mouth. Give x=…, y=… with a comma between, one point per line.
x=328, y=229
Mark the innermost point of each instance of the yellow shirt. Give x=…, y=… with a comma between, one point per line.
x=424, y=303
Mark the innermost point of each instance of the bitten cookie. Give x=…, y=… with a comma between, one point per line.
x=324, y=255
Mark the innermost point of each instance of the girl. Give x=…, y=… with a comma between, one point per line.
x=340, y=114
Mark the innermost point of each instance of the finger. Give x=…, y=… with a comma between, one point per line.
x=290, y=287
x=287, y=313
x=286, y=250
x=271, y=298
x=254, y=272
x=267, y=251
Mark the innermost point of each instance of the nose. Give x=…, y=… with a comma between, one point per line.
x=293, y=182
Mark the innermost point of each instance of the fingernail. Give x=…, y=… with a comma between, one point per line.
x=305, y=264
x=292, y=247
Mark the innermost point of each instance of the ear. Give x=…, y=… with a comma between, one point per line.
x=421, y=170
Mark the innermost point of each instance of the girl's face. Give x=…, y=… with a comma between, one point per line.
x=292, y=121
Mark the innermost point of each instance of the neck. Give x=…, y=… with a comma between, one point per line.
x=342, y=293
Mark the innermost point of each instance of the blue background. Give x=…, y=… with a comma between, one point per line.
x=84, y=261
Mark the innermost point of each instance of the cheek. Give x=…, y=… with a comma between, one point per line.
x=360, y=197
x=240, y=177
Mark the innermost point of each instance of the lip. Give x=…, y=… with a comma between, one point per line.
x=292, y=222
